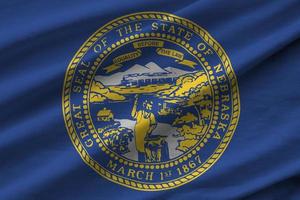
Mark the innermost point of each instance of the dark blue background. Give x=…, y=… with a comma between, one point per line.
x=38, y=40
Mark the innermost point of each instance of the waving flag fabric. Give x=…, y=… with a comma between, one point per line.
x=150, y=99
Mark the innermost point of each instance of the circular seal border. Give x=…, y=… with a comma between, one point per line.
x=229, y=71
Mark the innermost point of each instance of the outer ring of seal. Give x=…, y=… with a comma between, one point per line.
x=229, y=71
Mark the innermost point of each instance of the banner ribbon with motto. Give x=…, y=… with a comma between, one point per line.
x=177, y=55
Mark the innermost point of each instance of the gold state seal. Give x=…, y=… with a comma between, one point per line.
x=150, y=101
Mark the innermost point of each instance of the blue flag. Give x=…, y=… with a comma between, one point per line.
x=150, y=99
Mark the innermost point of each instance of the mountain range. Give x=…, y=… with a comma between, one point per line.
x=149, y=68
